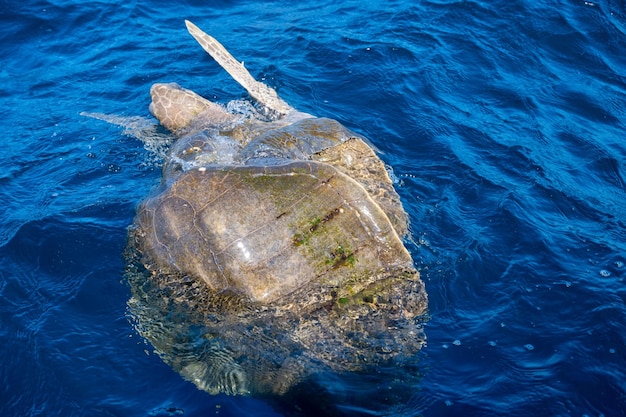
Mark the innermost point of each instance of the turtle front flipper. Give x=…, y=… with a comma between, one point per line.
x=262, y=93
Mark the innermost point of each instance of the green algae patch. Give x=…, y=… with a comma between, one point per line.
x=341, y=256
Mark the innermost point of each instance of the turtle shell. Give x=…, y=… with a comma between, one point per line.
x=251, y=279
x=265, y=231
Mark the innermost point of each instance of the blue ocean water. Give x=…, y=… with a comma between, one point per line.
x=503, y=122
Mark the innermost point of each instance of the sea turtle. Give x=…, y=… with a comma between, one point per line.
x=272, y=250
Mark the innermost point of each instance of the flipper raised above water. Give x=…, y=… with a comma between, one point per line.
x=262, y=93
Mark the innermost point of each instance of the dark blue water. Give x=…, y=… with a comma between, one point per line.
x=504, y=122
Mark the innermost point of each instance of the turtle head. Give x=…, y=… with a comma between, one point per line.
x=181, y=110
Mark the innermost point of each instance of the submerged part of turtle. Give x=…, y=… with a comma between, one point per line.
x=272, y=250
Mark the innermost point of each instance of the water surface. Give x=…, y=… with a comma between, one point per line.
x=503, y=122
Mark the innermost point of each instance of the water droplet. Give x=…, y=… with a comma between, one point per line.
x=605, y=273
x=114, y=168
